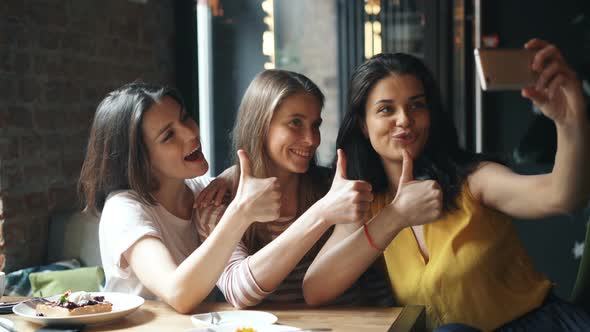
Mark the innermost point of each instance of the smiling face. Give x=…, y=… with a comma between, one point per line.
x=397, y=117
x=172, y=140
x=294, y=134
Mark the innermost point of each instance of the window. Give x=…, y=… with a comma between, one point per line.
x=238, y=39
x=324, y=40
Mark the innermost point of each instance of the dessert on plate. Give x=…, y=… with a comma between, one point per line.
x=74, y=304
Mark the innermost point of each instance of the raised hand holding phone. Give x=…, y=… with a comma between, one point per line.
x=557, y=91
x=417, y=202
x=348, y=201
x=258, y=198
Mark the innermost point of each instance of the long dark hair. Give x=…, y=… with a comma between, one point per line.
x=116, y=156
x=442, y=159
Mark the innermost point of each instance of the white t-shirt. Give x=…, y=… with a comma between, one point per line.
x=125, y=219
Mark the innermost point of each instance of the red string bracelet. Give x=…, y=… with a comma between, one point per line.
x=371, y=243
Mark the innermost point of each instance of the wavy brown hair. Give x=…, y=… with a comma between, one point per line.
x=116, y=155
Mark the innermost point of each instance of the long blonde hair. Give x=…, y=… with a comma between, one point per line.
x=262, y=98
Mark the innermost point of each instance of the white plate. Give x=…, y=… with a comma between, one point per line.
x=257, y=328
x=6, y=322
x=235, y=318
x=123, y=305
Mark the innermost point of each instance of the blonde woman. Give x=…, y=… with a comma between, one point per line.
x=278, y=126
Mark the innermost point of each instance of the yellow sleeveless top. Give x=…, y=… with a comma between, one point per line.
x=478, y=272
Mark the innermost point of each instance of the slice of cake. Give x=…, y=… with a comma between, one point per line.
x=74, y=304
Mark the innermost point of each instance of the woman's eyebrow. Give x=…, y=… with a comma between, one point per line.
x=181, y=113
x=391, y=101
x=384, y=101
x=169, y=125
x=164, y=129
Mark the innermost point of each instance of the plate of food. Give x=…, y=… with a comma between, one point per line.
x=233, y=317
x=237, y=320
x=79, y=308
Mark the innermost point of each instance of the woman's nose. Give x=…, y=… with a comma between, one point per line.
x=189, y=130
x=312, y=136
x=403, y=119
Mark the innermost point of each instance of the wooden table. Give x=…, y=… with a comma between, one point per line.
x=158, y=316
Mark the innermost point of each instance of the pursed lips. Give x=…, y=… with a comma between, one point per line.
x=406, y=136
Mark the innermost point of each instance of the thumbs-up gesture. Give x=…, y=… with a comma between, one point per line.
x=418, y=202
x=259, y=199
x=348, y=201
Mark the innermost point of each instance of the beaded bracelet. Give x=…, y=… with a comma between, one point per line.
x=371, y=243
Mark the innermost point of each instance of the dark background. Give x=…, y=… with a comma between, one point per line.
x=527, y=140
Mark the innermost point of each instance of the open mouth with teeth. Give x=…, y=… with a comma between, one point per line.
x=302, y=153
x=194, y=155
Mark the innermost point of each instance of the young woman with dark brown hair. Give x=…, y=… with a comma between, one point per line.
x=442, y=215
x=142, y=171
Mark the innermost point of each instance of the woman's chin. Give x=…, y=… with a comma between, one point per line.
x=202, y=170
x=302, y=168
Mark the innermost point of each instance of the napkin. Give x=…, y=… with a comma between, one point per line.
x=87, y=279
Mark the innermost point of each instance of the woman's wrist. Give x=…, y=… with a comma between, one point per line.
x=370, y=239
x=395, y=221
x=382, y=229
x=238, y=214
x=320, y=213
x=573, y=127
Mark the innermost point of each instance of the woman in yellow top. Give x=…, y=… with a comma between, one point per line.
x=442, y=214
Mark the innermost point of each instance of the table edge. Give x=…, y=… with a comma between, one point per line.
x=411, y=319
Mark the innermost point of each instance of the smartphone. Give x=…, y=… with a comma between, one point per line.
x=504, y=68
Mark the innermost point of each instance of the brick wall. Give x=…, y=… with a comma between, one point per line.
x=58, y=58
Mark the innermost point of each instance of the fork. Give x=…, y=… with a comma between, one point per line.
x=32, y=302
x=9, y=304
x=33, y=299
